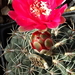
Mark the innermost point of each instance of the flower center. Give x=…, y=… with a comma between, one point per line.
x=38, y=8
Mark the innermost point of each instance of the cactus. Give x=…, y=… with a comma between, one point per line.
x=22, y=59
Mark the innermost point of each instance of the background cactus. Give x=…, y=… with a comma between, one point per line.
x=23, y=60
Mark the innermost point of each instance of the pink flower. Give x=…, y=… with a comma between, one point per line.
x=37, y=14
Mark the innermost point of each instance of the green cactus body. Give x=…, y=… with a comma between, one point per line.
x=24, y=60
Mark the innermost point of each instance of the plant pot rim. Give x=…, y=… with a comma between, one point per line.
x=6, y=24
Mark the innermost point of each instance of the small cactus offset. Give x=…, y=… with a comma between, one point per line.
x=27, y=54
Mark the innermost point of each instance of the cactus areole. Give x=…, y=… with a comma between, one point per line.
x=41, y=41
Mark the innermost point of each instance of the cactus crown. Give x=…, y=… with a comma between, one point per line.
x=58, y=60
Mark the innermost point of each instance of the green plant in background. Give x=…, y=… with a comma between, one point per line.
x=23, y=60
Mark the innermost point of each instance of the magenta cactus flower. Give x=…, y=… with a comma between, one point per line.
x=37, y=14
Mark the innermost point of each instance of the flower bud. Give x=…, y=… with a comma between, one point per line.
x=41, y=41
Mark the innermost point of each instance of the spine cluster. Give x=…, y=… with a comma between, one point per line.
x=24, y=60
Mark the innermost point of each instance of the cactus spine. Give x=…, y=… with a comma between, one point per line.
x=23, y=60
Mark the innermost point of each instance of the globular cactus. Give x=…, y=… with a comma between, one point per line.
x=59, y=60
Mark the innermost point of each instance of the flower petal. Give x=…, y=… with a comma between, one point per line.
x=20, y=8
x=12, y=14
x=59, y=2
x=56, y=18
x=43, y=17
x=63, y=8
x=28, y=20
x=27, y=23
x=50, y=2
x=23, y=29
x=55, y=14
x=41, y=27
x=30, y=1
x=53, y=25
x=62, y=20
x=24, y=21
